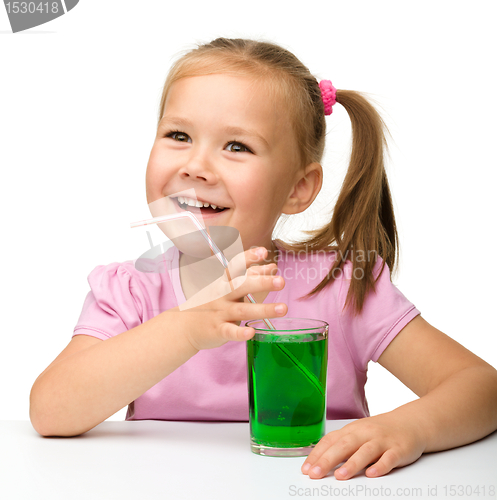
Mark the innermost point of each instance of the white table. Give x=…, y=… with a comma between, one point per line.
x=149, y=460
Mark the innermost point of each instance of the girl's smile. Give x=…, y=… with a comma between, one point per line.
x=198, y=207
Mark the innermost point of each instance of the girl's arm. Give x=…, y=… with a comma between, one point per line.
x=92, y=379
x=457, y=405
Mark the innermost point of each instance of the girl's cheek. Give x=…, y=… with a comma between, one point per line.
x=159, y=164
x=156, y=175
x=155, y=155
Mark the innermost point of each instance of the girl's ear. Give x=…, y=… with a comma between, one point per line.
x=306, y=188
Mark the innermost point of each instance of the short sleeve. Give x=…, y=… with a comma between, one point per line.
x=111, y=306
x=385, y=313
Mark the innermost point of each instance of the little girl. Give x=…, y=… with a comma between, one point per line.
x=242, y=123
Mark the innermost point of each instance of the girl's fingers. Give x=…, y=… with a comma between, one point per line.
x=245, y=311
x=324, y=443
x=328, y=453
x=356, y=457
x=255, y=282
x=239, y=264
x=256, y=256
x=267, y=269
x=388, y=461
x=229, y=331
x=252, y=282
x=365, y=455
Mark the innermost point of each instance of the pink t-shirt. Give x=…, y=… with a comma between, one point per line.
x=212, y=385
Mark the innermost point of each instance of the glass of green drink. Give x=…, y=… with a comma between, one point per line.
x=287, y=370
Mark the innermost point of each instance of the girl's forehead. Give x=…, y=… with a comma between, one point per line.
x=224, y=86
x=236, y=96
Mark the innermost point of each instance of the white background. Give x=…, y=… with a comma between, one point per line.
x=78, y=108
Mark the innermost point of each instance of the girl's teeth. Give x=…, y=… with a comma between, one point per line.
x=198, y=204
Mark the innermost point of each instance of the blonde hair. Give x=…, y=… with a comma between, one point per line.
x=363, y=219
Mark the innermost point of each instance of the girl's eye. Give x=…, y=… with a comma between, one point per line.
x=238, y=147
x=178, y=136
x=234, y=147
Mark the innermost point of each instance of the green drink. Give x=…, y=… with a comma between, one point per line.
x=287, y=370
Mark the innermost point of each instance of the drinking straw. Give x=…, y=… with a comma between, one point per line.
x=222, y=259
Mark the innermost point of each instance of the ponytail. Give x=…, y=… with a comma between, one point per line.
x=363, y=221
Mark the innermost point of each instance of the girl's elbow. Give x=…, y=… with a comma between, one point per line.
x=42, y=423
x=49, y=427
x=36, y=415
x=46, y=421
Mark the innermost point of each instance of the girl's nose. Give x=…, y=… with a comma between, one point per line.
x=198, y=169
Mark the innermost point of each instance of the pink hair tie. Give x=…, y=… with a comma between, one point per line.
x=329, y=95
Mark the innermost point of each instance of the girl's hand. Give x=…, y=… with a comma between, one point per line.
x=217, y=322
x=385, y=441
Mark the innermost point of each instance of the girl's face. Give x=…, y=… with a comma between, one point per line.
x=222, y=136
